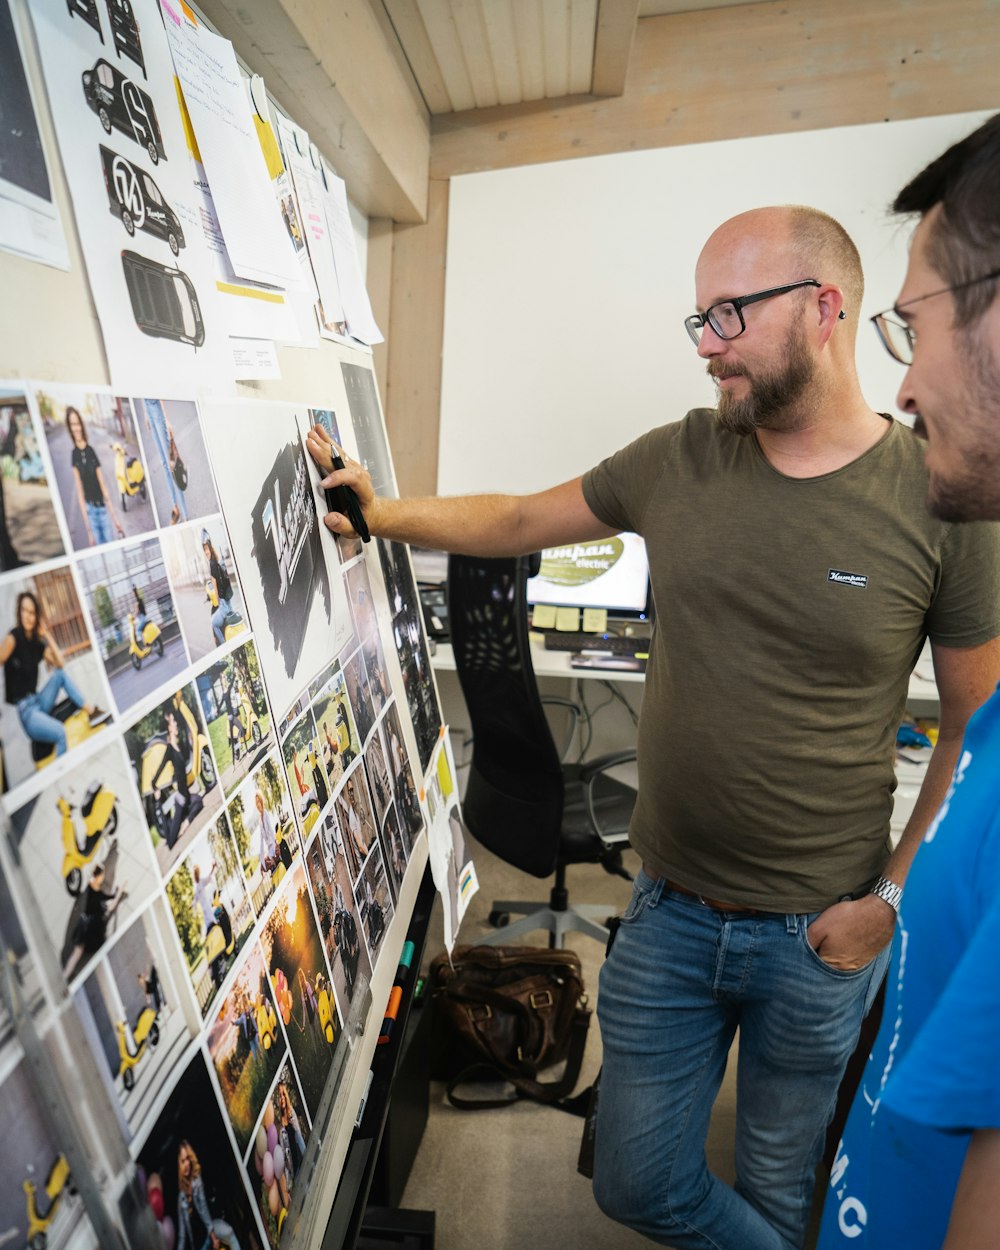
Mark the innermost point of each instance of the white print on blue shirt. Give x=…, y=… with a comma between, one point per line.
x=960, y=770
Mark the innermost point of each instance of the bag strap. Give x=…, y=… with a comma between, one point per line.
x=551, y=1093
x=532, y=1030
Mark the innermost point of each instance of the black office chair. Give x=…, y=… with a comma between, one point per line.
x=522, y=802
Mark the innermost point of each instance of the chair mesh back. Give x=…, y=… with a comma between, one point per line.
x=514, y=798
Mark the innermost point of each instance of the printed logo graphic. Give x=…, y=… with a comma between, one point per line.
x=860, y=580
x=579, y=563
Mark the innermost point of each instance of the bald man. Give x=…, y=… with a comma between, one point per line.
x=796, y=574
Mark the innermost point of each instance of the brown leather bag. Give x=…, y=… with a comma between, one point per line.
x=504, y=1013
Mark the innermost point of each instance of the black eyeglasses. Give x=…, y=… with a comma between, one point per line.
x=726, y=318
x=898, y=338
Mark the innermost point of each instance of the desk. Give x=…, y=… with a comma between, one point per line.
x=545, y=663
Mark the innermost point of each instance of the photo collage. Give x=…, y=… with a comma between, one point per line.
x=198, y=698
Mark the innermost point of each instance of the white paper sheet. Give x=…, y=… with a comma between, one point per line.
x=123, y=148
x=309, y=192
x=30, y=224
x=255, y=358
x=451, y=865
x=354, y=295
x=257, y=244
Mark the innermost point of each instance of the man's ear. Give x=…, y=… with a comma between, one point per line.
x=830, y=302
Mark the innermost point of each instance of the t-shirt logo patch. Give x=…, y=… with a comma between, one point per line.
x=847, y=579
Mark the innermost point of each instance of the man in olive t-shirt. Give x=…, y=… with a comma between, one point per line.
x=795, y=574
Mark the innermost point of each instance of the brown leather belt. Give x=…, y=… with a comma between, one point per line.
x=716, y=904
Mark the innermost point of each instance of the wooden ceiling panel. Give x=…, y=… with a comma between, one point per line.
x=530, y=48
x=443, y=34
x=582, y=35
x=470, y=25
x=499, y=18
x=411, y=34
x=555, y=44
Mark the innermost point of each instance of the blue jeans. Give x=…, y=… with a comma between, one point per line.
x=678, y=982
x=33, y=711
x=158, y=423
x=219, y=620
x=99, y=520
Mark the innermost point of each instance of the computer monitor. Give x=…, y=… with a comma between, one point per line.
x=609, y=573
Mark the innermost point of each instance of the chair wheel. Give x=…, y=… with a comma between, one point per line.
x=499, y=919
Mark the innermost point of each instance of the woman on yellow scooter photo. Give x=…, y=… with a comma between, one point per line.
x=186, y=805
x=22, y=652
x=96, y=508
x=221, y=588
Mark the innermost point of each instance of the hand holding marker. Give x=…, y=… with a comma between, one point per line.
x=340, y=498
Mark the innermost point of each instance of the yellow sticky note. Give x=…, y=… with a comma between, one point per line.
x=543, y=616
x=567, y=619
x=595, y=620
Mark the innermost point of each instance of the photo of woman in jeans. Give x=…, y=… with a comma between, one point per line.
x=21, y=653
x=160, y=428
x=221, y=590
x=95, y=503
x=196, y=1228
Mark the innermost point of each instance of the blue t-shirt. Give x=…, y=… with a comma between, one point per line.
x=934, y=1072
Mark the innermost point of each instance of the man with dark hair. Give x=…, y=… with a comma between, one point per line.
x=918, y=1167
x=794, y=590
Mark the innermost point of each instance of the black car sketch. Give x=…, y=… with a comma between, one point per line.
x=136, y=199
x=164, y=301
x=125, y=32
x=87, y=9
x=120, y=104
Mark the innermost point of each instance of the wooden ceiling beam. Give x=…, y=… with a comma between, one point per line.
x=329, y=67
x=616, y=26
x=755, y=69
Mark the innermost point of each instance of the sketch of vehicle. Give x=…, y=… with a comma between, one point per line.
x=136, y=199
x=125, y=32
x=164, y=301
x=120, y=104
x=87, y=9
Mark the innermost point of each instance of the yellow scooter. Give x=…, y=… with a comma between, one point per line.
x=130, y=475
x=99, y=813
x=244, y=726
x=78, y=728
x=145, y=1032
x=267, y=1023
x=140, y=648
x=220, y=941
x=325, y=1008
x=234, y=624
x=199, y=767
x=39, y=1222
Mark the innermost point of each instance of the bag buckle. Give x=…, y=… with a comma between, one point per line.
x=540, y=998
x=478, y=1012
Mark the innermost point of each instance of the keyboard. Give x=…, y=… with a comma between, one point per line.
x=611, y=644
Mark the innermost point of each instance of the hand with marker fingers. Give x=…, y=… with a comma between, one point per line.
x=346, y=479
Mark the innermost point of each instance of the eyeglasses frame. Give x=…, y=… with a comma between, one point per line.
x=911, y=334
x=697, y=321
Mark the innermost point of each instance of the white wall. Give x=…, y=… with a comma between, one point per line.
x=568, y=283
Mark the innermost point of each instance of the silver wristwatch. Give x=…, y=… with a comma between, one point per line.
x=889, y=892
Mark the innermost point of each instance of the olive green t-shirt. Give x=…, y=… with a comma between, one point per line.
x=789, y=615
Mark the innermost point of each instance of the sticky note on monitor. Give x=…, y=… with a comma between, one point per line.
x=595, y=620
x=543, y=616
x=568, y=619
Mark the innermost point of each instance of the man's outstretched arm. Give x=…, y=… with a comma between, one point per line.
x=483, y=525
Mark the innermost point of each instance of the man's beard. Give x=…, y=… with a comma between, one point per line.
x=972, y=492
x=772, y=396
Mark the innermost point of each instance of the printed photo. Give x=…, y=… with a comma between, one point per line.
x=16, y=944
x=279, y=1146
x=129, y=1009
x=359, y=693
x=39, y=1205
x=338, y=733
x=353, y=806
x=206, y=589
x=359, y=591
x=394, y=850
x=260, y=816
x=403, y=786
x=377, y=769
x=211, y=910
x=236, y=712
x=193, y=1182
x=55, y=698
x=378, y=681
x=182, y=484
x=347, y=548
x=99, y=471
x=411, y=647
x=134, y=620
x=374, y=903
x=175, y=773
x=366, y=419
x=301, y=984
x=26, y=508
x=339, y=922
x=85, y=855
x=306, y=774
x=247, y=1045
